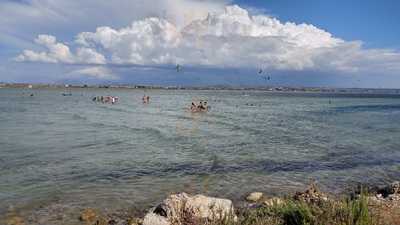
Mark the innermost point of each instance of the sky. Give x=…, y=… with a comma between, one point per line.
x=337, y=43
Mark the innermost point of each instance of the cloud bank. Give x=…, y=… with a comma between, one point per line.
x=60, y=53
x=231, y=38
x=97, y=72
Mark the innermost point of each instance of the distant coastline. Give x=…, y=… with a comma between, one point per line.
x=285, y=89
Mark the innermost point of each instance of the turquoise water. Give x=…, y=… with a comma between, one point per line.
x=59, y=153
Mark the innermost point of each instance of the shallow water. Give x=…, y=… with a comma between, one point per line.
x=59, y=153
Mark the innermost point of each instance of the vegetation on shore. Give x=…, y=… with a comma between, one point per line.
x=297, y=212
x=310, y=207
x=314, y=208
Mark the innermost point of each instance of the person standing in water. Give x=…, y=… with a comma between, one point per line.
x=206, y=106
x=193, y=106
x=201, y=106
x=146, y=99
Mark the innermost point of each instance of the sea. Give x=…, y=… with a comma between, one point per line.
x=60, y=154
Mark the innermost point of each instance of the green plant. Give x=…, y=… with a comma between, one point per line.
x=358, y=211
x=296, y=213
x=290, y=212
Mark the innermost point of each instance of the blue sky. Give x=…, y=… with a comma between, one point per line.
x=375, y=22
x=301, y=43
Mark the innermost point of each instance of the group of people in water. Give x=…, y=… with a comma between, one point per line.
x=200, y=107
x=146, y=99
x=106, y=99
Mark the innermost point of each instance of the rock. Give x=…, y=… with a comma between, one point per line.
x=254, y=197
x=393, y=188
x=88, y=216
x=183, y=209
x=394, y=197
x=119, y=222
x=112, y=222
x=102, y=221
x=154, y=219
x=273, y=202
x=15, y=220
x=311, y=195
x=172, y=208
x=374, y=199
x=210, y=208
x=134, y=221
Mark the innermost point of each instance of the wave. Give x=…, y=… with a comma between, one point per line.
x=84, y=145
x=8, y=109
x=78, y=117
x=113, y=143
x=365, y=108
x=145, y=131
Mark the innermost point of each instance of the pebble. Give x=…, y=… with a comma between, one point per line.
x=254, y=197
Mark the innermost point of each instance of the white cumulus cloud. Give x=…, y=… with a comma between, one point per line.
x=230, y=38
x=97, y=72
x=60, y=53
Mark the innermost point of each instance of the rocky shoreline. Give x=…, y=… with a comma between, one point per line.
x=375, y=206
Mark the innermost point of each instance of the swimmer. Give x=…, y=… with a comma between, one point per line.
x=146, y=99
x=201, y=106
x=193, y=107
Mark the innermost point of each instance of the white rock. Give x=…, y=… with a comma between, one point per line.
x=254, y=197
x=209, y=208
x=395, y=187
x=182, y=207
x=394, y=197
x=154, y=219
x=374, y=199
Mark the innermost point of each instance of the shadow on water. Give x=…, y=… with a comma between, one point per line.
x=217, y=166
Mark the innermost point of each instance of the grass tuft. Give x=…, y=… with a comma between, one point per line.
x=292, y=212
